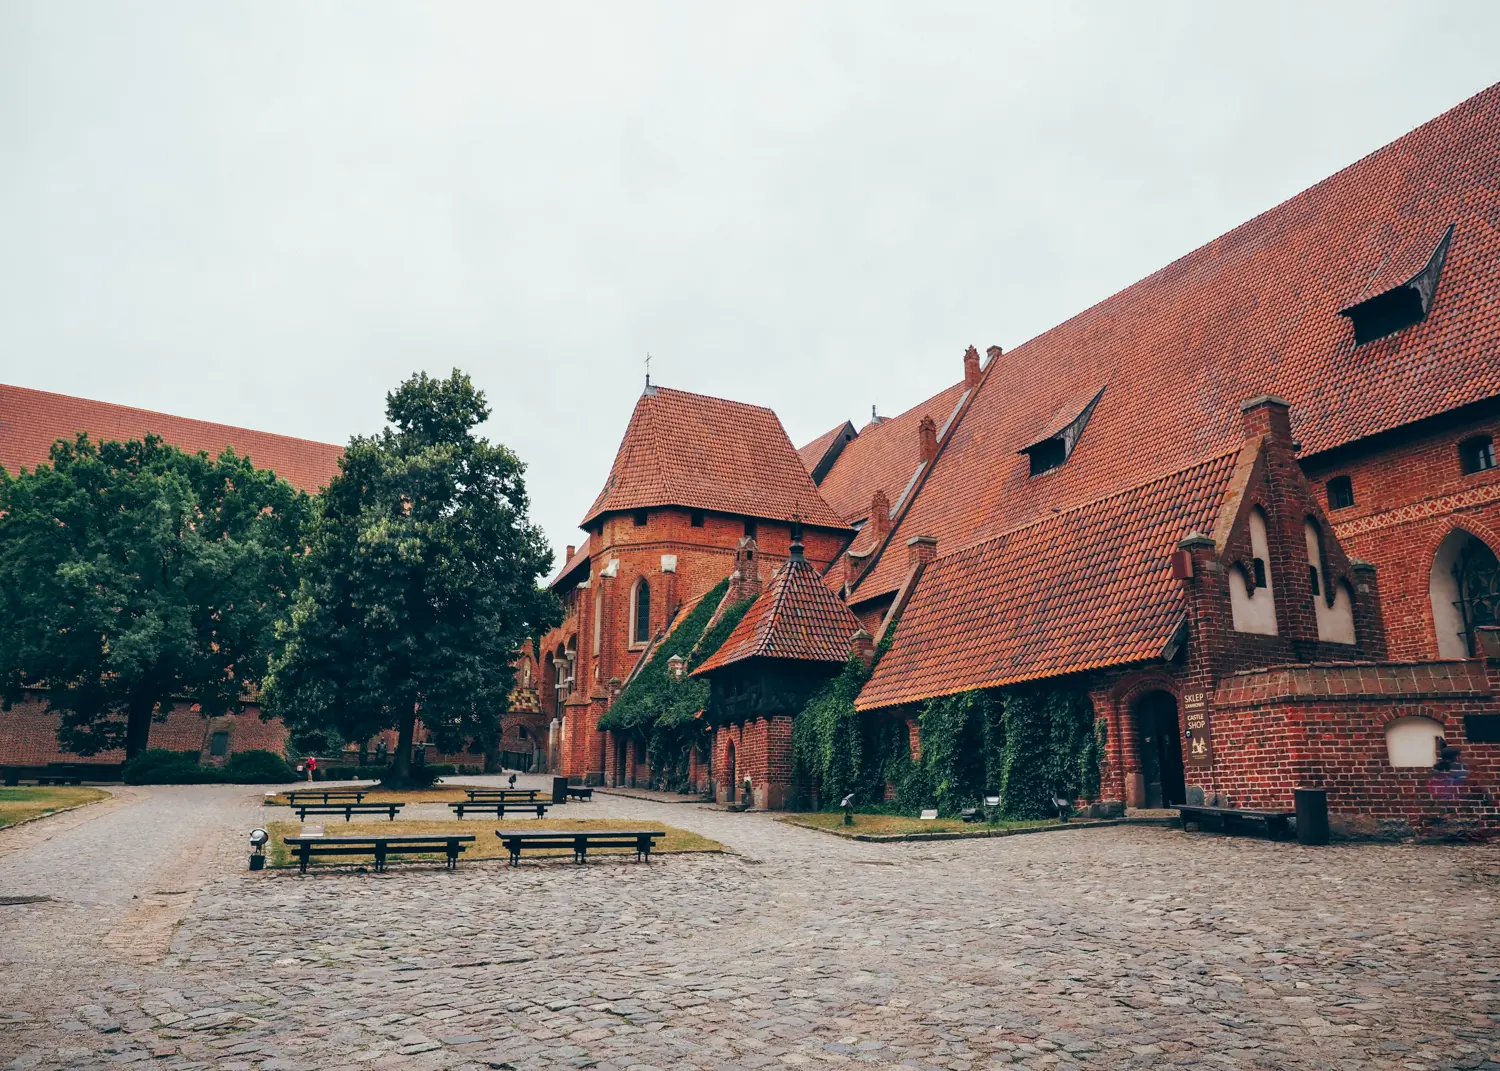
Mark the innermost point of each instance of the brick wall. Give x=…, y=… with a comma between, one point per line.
x=763, y=753
x=28, y=735
x=1324, y=726
x=1410, y=492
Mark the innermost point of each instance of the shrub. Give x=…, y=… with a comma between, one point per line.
x=159, y=766
x=258, y=767
x=423, y=776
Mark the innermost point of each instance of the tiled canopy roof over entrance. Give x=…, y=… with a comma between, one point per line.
x=1255, y=311
x=795, y=617
x=32, y=420
x=1081, y=589
x=689, y=450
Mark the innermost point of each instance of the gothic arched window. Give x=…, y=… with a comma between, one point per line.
x=640, y=630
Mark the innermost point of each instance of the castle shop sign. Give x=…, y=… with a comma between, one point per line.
x=1197, y=739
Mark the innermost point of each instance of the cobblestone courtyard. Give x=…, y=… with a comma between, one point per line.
x=1107, y=947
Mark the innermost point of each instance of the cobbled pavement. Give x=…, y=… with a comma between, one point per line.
x=1113, y=947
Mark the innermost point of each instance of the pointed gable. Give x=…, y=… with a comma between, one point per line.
x=796, y=617
x=697, y=452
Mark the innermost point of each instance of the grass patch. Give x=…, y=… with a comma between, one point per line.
x=23, y=802
x=454, y=793
x=891, y=825
x=486, y=845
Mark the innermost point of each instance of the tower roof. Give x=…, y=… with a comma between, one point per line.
x=690, y=450
x=796, y=617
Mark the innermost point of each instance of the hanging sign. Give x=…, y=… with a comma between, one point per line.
x=1197, y=738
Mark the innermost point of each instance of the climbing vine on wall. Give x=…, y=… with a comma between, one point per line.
x=663, y=711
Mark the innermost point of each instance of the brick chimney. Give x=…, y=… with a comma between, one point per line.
x=927, y=440
x=920, y=550
x=862, y=644
x=993, y=353
x=744, y=582
x=569, y=556
x=880, y=515
x=971, y=367
x=1268, y=415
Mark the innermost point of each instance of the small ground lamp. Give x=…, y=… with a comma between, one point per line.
x=258, y=839
x=848, y=806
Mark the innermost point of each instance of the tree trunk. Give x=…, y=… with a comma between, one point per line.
x=490, y=735
x=138, y=726
x=401, y=761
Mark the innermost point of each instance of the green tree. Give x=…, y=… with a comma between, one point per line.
x=420, y=581
x=134, y=576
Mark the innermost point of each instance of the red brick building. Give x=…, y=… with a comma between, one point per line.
x=1262, y=474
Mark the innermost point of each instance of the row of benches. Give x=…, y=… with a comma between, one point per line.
x=640, y=841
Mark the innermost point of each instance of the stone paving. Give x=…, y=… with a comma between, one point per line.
x=1117, y=947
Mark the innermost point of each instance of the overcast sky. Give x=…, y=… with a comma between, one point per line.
x=268, y=214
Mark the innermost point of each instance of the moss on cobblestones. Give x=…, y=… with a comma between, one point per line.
x=20, y=804
x=486, y=845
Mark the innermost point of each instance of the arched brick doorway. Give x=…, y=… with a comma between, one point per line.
x=1158, y=732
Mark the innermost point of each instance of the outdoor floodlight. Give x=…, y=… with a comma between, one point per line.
x=258, y=839
x=848, y=806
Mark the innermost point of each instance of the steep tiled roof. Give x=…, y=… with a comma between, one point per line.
x=1255, y=311
x=883, y=457
x=32, y=420
x=684, y=449
x=580, y=556
x=1082, y=589
x=817, y=450
x=795, y=617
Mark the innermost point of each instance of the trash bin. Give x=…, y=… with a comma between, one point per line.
x=1312, y=815
x=559, y=790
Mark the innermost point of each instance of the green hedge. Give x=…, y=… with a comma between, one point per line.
x=159, y=766
x=258, y=767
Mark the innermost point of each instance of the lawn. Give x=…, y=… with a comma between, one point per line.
x=894, y=825
x=20, y=803
x=486, y=845
x=449, y=793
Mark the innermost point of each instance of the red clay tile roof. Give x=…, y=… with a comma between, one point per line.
x=795, y=617
x=690, y=450
x=883, y=457
x=580, y=556
x=816, y=450
x=1078, y=590
x=32, y=420
x=1253, y=312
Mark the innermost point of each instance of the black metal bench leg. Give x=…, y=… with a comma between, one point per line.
x=379, y=857
x=305, y=852
x=580, y=850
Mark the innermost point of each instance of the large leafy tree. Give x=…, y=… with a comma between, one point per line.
x=420, y=582
x=134, y=576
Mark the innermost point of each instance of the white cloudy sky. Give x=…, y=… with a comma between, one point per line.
x=269, y=213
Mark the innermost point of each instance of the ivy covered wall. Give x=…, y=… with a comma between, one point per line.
x=663, y=711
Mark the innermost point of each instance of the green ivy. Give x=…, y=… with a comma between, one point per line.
x=665, y=711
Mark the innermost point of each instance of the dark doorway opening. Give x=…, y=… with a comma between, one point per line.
x=730, y=772
x=1159, y=736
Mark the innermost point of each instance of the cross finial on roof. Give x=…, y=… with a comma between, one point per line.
x=873, y=417
x=648, y=368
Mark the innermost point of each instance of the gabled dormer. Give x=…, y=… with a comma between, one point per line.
x=1402, y=305
x=1055, y=445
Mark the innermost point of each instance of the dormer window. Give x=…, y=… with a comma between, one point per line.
x=1061, y=435
x=1476, y=454
x=1402, y=305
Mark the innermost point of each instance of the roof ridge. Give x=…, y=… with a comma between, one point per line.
x=713, y=398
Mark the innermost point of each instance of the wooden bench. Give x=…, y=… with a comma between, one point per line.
x=497, y=794
x=579, y=792
x=324, y=795
x=639, y=841
x=498, y=808
x=57, y=773
x=1230, y=819
x=348, y=810
x=380, y=847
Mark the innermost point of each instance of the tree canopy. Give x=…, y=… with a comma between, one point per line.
x=420, y=581
x=134, y=576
